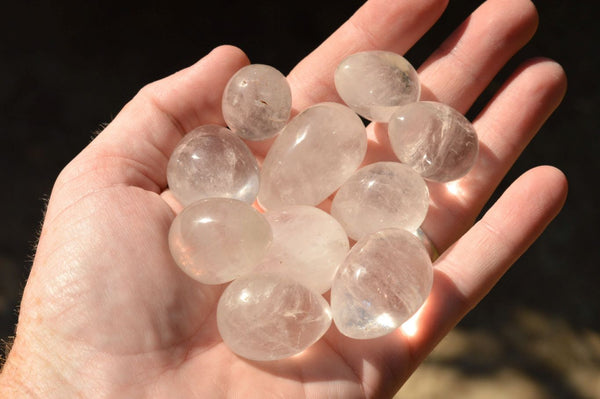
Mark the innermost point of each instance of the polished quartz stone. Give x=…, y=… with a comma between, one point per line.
x=381, y=195
x=267, y=316
x=257, y=102
x=211, y=161
x=385, y=279
x=215, y=240
x=312, y=156
x=434, y=139
x=308, y=246
x=376, y=83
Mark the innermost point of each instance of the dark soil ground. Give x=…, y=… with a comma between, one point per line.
x=67, y=68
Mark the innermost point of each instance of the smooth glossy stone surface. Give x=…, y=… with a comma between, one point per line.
x=434, y=139
x=257, y=102
x=376, y=83
x=218, y=239
x=381, y=195
x=211, y=161
x=269, y=317
x=385, y=279
x=308, y=246
x=312, y=156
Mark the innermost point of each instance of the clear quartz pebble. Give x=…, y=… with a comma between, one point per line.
x=385, y=279
x=216, y=240
x=266, y=316
x=381, y=195
x=257, y=102
x=211, y=161
x=308, y=246
x=434, y=139
x=312, y=156
x=375, y=83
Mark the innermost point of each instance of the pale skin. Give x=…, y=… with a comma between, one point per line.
x=106, y=312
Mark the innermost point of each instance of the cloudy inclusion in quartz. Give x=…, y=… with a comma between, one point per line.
x=308, y=246
x=267, y=316
x=381, y=195
x=385, y=279
x=434, y=139
x=218, y=239
x=312, y=156
x=375, y=83
x=257, y=102
x=211, y=161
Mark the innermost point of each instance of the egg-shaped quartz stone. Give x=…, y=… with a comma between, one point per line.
x=216, y=240
x=376, y=83
x=385, y=279
x=381, y=195
x=265, y=316
x=211, y=161
x=308, y=246
x=257, y=102
x=434, y=139
x=312, y=156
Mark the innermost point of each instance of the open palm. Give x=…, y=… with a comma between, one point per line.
x=106, y=312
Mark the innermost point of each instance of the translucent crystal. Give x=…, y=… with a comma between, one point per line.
x=211, y=161
x=312, y=156
x=435, y=139
x=375, y=83
x=257, y=102
x=381, y=195
x=215, y=240
x=308, y=246
x=268, y=316
x=384, y=280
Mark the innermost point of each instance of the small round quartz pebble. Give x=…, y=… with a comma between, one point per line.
x=257, y=102
x=266, y=316
x=308, y=246
x=216, y=240
x=211, y=161
x=381, y=195
x=375, y=83
x=434, y=139
x=312, y=156
x=384, y=280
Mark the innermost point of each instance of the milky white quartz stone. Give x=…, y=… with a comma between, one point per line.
x=312, y=156
x=257, y=102
x=265, y=316
x=375, y=83
x=381, y=195
x=308, y=246
x=215, y=240
x=211, y=161
x=385, y=279
x=434, y=139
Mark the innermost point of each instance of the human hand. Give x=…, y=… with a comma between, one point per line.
x=107, y=313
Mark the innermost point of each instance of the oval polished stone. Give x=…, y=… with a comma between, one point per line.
x=212, y=161
x=375, y=83
x=385, y=279
x=267, y=316
x=381, y=195
x=312, y=156
x=257, y=102
x=434, y=139
x=215, y=240
x=308, y=246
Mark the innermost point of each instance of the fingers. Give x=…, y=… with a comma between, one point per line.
x=135, y=147
x=378, y=24
x=505, y=127
x=460, y=69
x=470, y=268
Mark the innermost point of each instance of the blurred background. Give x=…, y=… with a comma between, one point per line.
x=66, y=68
